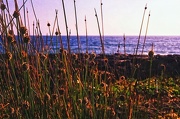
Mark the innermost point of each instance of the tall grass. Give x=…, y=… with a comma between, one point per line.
x=145, y=34
x=65, y=19
x=100, y=34
x=37, y=84
x=85, y=20
x=78, y=40
x=102, y=20
x=141, y=29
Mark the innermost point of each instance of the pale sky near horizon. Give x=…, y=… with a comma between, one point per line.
x=120, y=16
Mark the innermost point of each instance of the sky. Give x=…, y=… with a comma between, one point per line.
x=119, y=16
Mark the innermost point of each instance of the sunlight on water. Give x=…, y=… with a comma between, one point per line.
x=163, y=45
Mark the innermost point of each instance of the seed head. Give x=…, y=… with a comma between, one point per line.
x=80, y=101
x=11, y=32
x=93, y=55
x=122, y=98
x=93, y=63
x=12, y=110
x=86, y=56
x=47, y=97
x=25, y=66
x=56, y=33
x=26, y=39
x=16, y=14
x=61, y=91
x=104, y=85
x=61, y=64
x=113, y=113
x=85, y=101
x=151, y=54
x=3, y=6
x=48, y=24
x=23, y=30
x=75, y=57
x=122, y=78
x=146, y=105
x=8, y=55
x=24, y=54
x=54, y=97
x=162, y=67
x=97, y=97
x=25, y=105
x=63, y=51
x=10, y=38
x=105, y=60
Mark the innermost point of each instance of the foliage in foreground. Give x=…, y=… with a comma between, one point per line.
x=52, y=86
x=35, y=84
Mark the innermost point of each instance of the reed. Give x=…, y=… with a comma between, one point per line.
x=28, y=22
x=86, y=34
x=65, y=19
x=141, y=29
x=145, y=34
x=37, y=84
x=102, y=20
x=136, y=49
x=58, y=32
x=77, y=32
x=24, y=11
x=101, y=39
x=124, y=39
x=151, y=55
x=118, y=50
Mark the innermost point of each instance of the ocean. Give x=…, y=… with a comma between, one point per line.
x=163, y=45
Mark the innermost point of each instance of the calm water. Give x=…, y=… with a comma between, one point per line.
x=162, y=44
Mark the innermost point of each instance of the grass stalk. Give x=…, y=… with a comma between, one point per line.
x=10, y=17
x=24, y=11
x=102, y=20
x=145, y=34
x=59, y=32
x=101, y=39
x=139, y=37
x=86, y=34
x=141, y=29
x=28, y=21
x=65, y=19
x=151, y=54
x=16, y=93
x=124, y=39
x=34, y=11
x=37, y=23
x=77, y=32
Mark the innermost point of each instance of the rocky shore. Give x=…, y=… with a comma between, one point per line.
x=139, y=66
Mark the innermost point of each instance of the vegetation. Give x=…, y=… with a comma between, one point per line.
x=37, y=84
